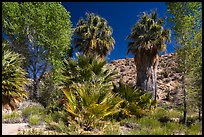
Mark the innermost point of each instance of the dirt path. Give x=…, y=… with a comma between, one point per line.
x=12, y=129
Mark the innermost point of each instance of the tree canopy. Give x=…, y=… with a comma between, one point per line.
x=186, y=20
x=41, y=32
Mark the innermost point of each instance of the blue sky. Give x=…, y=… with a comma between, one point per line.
x=121, y=16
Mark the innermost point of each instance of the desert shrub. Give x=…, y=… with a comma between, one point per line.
x=195, y=129
x=173, y=127
x=33, y=110
x=50, y=96
x=60, y=125
x=13, y=79
x=111, y=129
x=34, y=119
x=159, y=112
x=148, y=131
x=174, y=113
x=191, y=120
x=148, y=122
x=12, y=117
x=137, y=102
x=129, y=120
x=159, y=131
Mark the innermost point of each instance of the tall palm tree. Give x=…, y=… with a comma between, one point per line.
x=93, y=35
x=148, y=38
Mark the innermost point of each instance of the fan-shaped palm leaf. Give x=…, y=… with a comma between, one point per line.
x=13, y=79
x=93, y=35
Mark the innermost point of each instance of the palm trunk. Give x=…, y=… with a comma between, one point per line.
x=146, y=65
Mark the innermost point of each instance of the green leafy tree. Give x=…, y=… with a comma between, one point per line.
x=41, y=32
x=93, y=35
x=13, y=79
x=148, y=38
x=186, y=20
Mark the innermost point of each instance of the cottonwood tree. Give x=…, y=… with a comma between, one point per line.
x=41, y=32
x=186, y=22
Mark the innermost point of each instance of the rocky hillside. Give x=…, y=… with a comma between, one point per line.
x=168, y=79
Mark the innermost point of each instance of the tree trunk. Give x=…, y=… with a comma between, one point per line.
x=35, y=85
x=146, y=65
x=184, y=101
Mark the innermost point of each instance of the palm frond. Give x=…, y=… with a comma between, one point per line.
x=146, y=33
x=13, y=77
x=93, y=35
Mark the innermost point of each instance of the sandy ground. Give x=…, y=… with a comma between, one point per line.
x=12, y=129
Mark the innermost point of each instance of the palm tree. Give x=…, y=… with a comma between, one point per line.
x=86, y=68
x=13, y=79
x=148, y=38
x=93, y=35
x=87, y=85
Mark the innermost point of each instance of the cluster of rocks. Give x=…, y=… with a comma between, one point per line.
x=168, y=77
x=126, y=70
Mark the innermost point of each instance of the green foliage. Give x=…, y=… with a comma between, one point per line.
x=159, y=131
x=148, y=122
x=87, y=85
x=149, y=125
x=59, y=126
x=91, y=102
x=147, y=39
x=148, y=35
x=93, y=35
x=50, y=96
x=34, y=119
x=175, y=128
x=13, y=79
x=174, y=113
x=137, y=102
x=57, y=121
x=58, y=115
x=41, y=32
x=186, y=21
x=111, y=129
x=195, y=129
x=11, y=118
x=33, y=110
x=86, y=68
x=159, y=112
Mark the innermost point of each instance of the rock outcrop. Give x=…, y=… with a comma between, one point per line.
x=168, y=78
